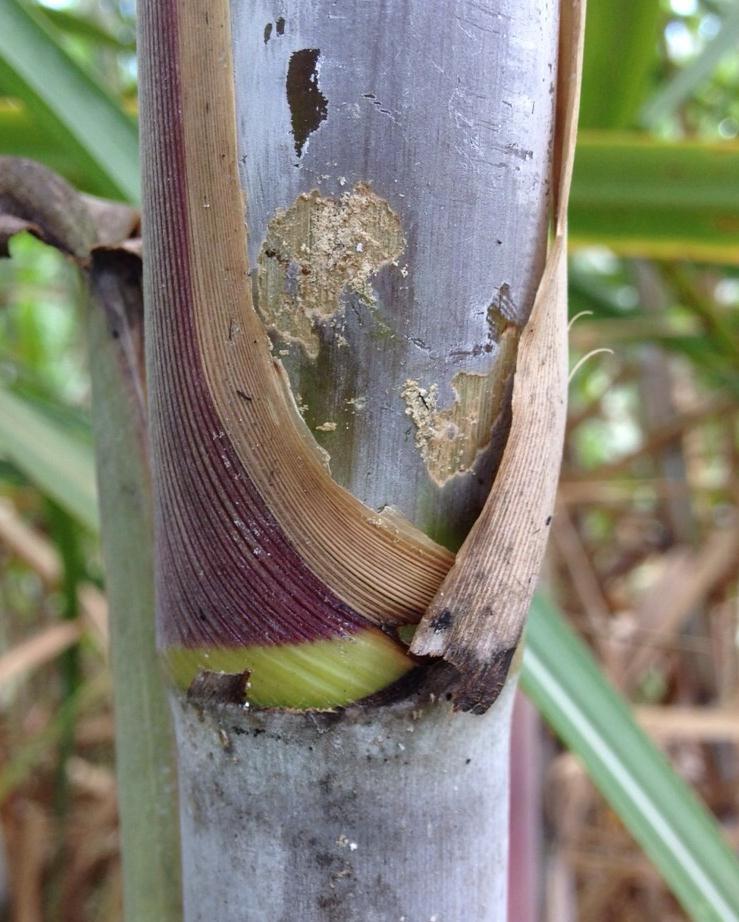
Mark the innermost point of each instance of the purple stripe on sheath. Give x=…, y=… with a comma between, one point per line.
x=227, y=575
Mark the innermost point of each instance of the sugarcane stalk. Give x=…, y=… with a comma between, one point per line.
x=346, y=211
x=145, y=757
x=95, y=234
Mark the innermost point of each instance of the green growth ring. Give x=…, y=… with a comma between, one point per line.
x=320, y=674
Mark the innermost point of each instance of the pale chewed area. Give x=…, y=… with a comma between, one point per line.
x=316, y=250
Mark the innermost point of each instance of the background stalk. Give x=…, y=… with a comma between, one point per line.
x=145, y=768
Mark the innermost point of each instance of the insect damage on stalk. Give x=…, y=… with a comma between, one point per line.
x=264, y=564
x=308, y=105
x=267, y=569
x=483, y=601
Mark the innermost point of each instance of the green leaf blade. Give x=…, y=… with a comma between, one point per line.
x=621, y=41
x=64, y=97
x=61, y=465
x=644, y=197
x=660, y=810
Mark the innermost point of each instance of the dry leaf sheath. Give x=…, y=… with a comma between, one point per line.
x=477, y=618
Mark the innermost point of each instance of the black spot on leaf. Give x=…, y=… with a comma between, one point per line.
x=442, y=622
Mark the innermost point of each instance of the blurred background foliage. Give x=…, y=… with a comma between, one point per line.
x=645, y=542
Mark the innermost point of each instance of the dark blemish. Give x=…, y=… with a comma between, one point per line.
x=330, y=905
x=442, y=622
x=280, y=25
x=477, y=349
x=519, y=152
x=114, y=333
x=483, y=682
x=228, y=688
x=548, y=520
x=505, y=303
x=243, y=395
x=282, y=260
x=467, y=761
x=377, y=104
x=267, y=32
x=308, y=105
x=258, y=731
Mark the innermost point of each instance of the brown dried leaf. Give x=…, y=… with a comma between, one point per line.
x=39, y=649
x=35, y=199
